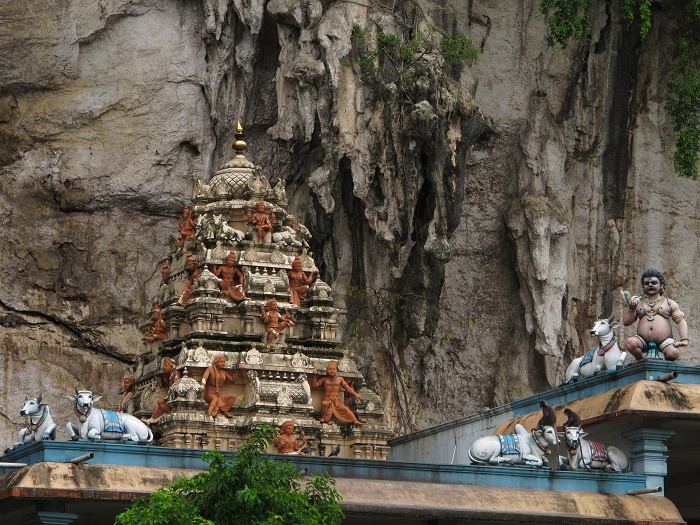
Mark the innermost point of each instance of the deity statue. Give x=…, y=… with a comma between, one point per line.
x=194, y=272
x=274, y=322
x=654, y=311
x=299, y=281
x=214, y=378
x=129, y=391
x=286, y=443
x=168, y=377
x=164, y=273
x=157, y=329
x=231, y=283
x=260, y=220
x=186, y=226
x=331, y=405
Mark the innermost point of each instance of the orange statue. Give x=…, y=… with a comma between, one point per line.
x=274, y=322
x=231, y=278
x=260, y=220
x=128, y=390
x=286, y=442
x=157, y=329
x=167, y=378
x=331, y=405
x=299, y=281
x=194, y=272
x=186, y=226
x=214, y=378
x=164, y=273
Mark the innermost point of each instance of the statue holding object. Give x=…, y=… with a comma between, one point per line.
x=260, y=220
x=654, y=312
x=274, y=322
x=231, y=276
x=299, y=281
x=331, y=405
x=214, y=378
x=286, y=443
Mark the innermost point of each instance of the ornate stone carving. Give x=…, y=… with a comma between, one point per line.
x=299, y=360
x=284, y=397
x=254, y=357
x=184, y=388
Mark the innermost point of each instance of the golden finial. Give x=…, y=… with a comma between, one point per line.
x=239, y=144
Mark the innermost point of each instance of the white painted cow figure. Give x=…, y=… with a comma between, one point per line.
x=523, y=447
x=40, y=425
x=582, y=453
x=104, y=424
x=605, y=356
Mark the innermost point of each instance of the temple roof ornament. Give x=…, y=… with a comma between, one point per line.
x=242, y=291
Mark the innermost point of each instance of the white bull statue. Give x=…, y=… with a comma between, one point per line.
x=582, y=453
x=605, y=356
x=40, y=425
x=104, y=424
x=523, y=447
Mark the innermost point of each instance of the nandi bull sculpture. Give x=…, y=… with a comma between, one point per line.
x=585, y=454
x=104, y=424
x=605, y=356
x=40, y=426
x=523, y=447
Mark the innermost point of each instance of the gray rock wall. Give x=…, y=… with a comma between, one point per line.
x=508, y=207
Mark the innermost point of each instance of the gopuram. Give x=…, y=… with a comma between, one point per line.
x=243, y=328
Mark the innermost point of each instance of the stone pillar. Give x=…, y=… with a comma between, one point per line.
x=649, y=454
x=43, y=517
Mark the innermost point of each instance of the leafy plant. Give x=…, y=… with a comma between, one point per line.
x=684, y=109
x=245, y=489
x=387, y=58
x=567, y=18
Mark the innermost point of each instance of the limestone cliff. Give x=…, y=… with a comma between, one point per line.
x=483, y=219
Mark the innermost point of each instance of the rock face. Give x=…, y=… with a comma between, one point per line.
x=481, y=223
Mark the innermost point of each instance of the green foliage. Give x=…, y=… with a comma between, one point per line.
x=684, y=108
x=247, y=489
x=569, y=18
x=459, y=51
x=632, y=9
x=387, y=58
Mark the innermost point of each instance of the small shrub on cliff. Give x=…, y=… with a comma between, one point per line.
x=246, y=489
x=389, y=58
x=567, y=18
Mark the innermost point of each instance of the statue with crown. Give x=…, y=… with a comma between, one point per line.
x=241, y=322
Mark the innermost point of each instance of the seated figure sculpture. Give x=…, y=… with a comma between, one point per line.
x=260, y=220
x=286, y=443
x=654, y=311
x=157, y=328
x=215, y=377
x=231, y=283
x=275, y=323
x=331, y=405
x=186, y=226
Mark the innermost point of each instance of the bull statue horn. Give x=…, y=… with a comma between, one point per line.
x=38, y=400
x=77, y=391
x=611, y=319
